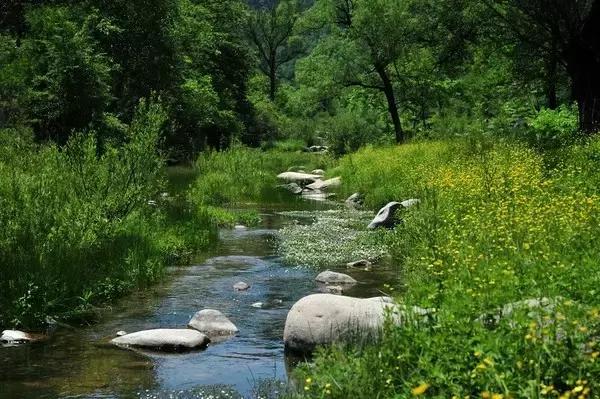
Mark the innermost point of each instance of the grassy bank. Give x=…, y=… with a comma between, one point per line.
x=86, y=223
x=496, y=226
x=245, y=175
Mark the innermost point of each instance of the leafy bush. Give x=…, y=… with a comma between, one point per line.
x=554, y=128
x=77, y=224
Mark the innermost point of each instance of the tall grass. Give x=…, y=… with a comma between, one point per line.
x=243, y=174
x=83, y=224
x=495, y=227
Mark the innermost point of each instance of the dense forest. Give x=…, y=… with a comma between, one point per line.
x=485, y=110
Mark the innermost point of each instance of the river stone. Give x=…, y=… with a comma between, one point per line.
x=322, y=319
x=258, y=305
x=325, y=184
x=385, y=216
x=298, y=178
x=16, y=337
x=212, y=323
x=164, y=339
x=355, y=201
x=329, y=277
x=334, y=289
x=319, y=172
x=360, y=264
x=293, y=188
x=121, y=333
x=241, y=286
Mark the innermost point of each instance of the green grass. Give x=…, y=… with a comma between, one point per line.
x=245, y=175
x=496, y=226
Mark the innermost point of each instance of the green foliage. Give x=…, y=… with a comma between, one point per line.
x=494, y=227
x=242, y=174
x=78, y=227
x=555, y=128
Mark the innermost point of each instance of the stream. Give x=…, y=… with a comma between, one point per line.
x=80, y=363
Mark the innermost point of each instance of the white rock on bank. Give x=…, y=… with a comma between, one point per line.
x=164, y=339
x=212, y=323
x=385, y=216
x=298, y=178
x=16, y=337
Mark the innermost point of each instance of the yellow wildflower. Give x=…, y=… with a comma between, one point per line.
x=420, y=390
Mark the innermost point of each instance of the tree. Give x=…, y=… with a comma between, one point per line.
x=567, y=32
x=271, y=31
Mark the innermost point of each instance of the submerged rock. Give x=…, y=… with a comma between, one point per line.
x=360, y=264
x=258, y=305
x=322, y=319
x=298, y=178
x=385, y=216
x=212, y=323
x=241, y=286
x=325, y=184
x=329, y=277
x=334, y=289
x=164, y=339
x=293, y=188
x=355, y=201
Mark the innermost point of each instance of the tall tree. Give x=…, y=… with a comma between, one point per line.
x=271, y=30
x=567, y=32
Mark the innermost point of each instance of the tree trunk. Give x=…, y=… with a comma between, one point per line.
x=388, y=90
x=582, y=57
x=273, y=77
x=552, y=75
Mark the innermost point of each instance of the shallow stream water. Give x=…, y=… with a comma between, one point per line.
x=80, y=363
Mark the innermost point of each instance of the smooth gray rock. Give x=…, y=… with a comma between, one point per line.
x=164, y=339
x=298, y=178
x=325, y=184
x=293, y=188
x=319, y=172
x=212, y=323
x=258, y=305
x=334, y=289
x=241, y=286
x=355, y=201
x=329, y=277
x=322, y=319
x=385, y=216
x=121, y=333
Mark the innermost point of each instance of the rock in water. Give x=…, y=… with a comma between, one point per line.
x=212, y=323
x=164, y=340
x=360, y=264
x=241, y=286
x=319, y=172
x=329, y=277
x=298, y=178
x=16, y=337
x=322, y=319
x=325, y=184
x=293, y=188
x=334, y=289
x=355, y=201
x=385, y=216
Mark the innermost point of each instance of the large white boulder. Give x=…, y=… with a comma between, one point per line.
x=329, y=277
x=298, y=178
x=212, y=323
x=322, y=319
x=164, y=339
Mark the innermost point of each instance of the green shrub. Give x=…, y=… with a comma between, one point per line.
x=77, y=224
x=554, y=128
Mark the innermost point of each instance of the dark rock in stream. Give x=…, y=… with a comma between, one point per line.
x=355, y=201
x=360, y=264
x=293, y=188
